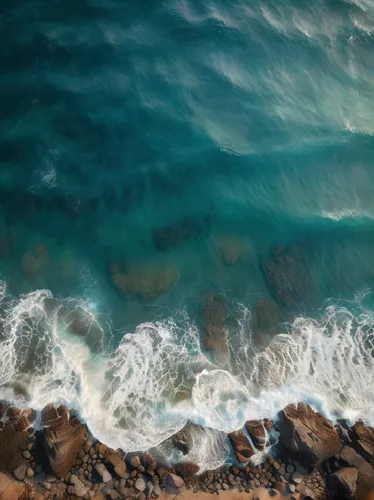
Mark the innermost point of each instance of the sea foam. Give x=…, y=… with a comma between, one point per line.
x=138, y=394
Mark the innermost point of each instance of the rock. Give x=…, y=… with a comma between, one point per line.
x=102, y=470
x=119, y=465
x=344, y=482
x=26, y=454
x=30, y=472
x=230, y=248
x=146, y=281
x=187, y=469
x=365, y=481
x=265, y=321
x=307, y=434
x=364, y=439
x=64, y=436
x=287, y=276
x=140, y=484
x=174, y=484
x=214, y=318
x=176, y=234
x=135, y=461
x=87, y=446
x=157, y=491
x=242, y=447
x=258, y=433
x=20, y=472
x=80, y=490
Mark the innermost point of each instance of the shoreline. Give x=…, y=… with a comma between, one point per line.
x=313, y=459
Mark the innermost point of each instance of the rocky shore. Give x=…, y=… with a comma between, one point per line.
x=301, y=455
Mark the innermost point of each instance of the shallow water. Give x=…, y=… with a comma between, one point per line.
x=244, y=129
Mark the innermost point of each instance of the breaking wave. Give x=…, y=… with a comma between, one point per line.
x=142, y=391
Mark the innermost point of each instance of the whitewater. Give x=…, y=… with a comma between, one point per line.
x=57, y=350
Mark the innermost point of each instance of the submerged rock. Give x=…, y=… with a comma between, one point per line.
x=176, y=234
x=34, y=262
x=214, y=317
x=307, y=434
x=147, y=282
x=287, y=276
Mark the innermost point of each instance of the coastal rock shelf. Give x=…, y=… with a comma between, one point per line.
x=311, y=459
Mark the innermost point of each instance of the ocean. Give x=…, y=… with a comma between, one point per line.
x=186, y=211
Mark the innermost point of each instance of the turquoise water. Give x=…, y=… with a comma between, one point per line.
x=245, y=129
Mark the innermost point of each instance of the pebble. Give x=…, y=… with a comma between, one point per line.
x=276, y=466
x=26, y=454
x=225, y=486
x=282, y=470
x=292, y=488
x=30, y=446
x=20, y=472
x=290, y=469
x=297, y=477
x=47, y=485
x=30, y=472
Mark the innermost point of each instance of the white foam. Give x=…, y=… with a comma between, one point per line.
x=127, y=396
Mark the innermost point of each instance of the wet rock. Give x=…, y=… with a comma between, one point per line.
x=64, y=436
x=176, y=234
x=186, y=469
x=102, y=470
x=26, y=454
x=214, y=318
x=363, y=437
x=258, y=433
x=80, y=490
x=287, y=276
x=365, y=482
x=20, y=472
x=242, y=447
x=135, y=461
x=307, y=434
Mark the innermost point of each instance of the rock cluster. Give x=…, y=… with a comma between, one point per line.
x=313, y=460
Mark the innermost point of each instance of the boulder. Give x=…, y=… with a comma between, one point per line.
x=64, y=436
x=241, y=445
x=365, y=481
x=307, y=434
x=343, y=483
x=364, y=438
x=258, y=433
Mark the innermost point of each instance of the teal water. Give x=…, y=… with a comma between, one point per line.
x=246, y=130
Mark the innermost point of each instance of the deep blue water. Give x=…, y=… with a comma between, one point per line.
x=244, y=125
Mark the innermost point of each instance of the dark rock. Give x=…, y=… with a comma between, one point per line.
x=343, y=483
x=265, y=320
x=187, y=469
x=258, y=433
x=176, y=234
x=242, y=447
x=307, y=434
